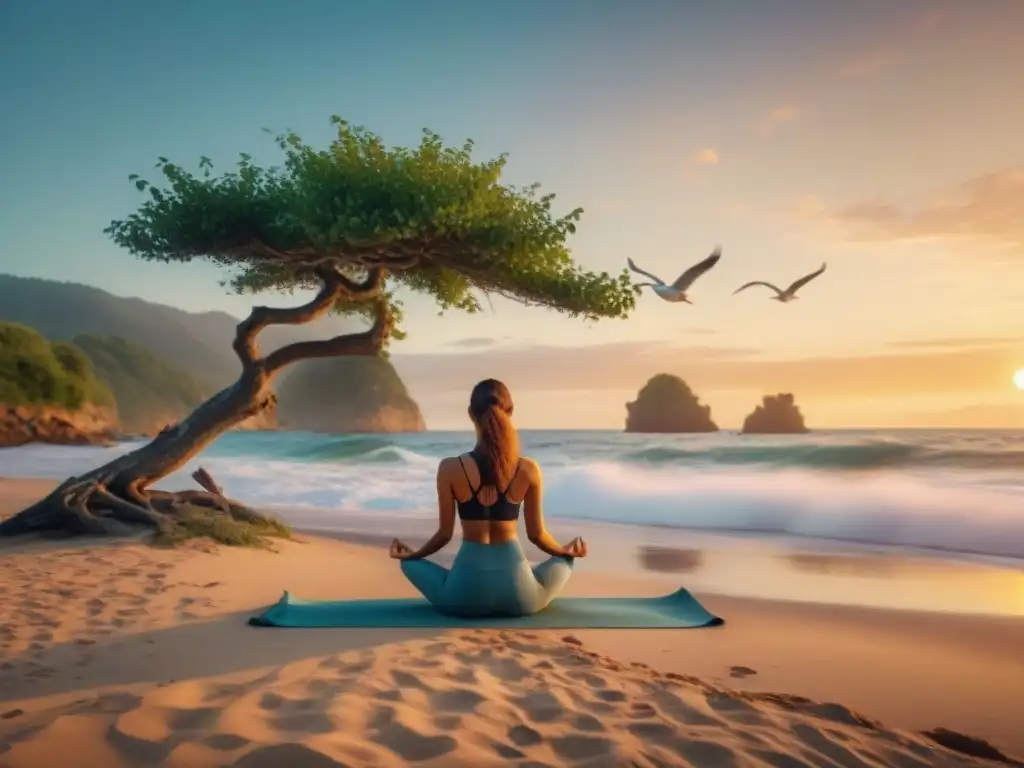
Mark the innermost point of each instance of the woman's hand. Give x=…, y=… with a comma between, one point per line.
x=400, y=551
x=576, y=548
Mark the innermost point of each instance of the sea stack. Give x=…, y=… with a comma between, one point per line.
x=666, y=404
x=347, y=394
x=776, y=415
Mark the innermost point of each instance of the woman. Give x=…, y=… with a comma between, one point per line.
x=491, y=575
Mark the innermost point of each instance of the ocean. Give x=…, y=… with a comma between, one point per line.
x=953, y=491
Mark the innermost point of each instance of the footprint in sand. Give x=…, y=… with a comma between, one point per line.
x=741, y=672
x=286, y=754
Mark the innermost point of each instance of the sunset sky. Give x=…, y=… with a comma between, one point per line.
x=884, y=138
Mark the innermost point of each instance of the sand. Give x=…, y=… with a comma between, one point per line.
x=119, y=654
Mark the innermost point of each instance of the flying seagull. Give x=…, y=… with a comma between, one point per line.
x=677, y=290
x=787, y=295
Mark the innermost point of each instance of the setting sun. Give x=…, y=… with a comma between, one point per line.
x=1018, y=379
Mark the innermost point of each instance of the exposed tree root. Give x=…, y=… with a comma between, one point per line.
x=87, y=505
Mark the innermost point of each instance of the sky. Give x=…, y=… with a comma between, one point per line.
x=882, y=138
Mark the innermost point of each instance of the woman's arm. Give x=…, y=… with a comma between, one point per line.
x=533, y=513
x=445, y=515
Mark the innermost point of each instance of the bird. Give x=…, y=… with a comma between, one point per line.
x=677, y=291
x=784, y=296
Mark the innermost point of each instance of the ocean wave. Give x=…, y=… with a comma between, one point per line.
x=955, y=512
x=875, y=454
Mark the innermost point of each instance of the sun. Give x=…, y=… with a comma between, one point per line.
x=1018, y=379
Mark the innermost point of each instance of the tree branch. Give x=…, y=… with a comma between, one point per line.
x=397, y=256
x=335, y=286
x=368, y=342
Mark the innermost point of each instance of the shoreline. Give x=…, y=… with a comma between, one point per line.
x=140, y=638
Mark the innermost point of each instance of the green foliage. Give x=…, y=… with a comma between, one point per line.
x=362, y=203
x=149, y=392
x=243, y=528
x=34, y=371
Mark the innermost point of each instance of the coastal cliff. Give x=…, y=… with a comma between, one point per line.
x=347, y=394
x=49, y=392
x=666, y=404
x=86, y=425
x=776, y=415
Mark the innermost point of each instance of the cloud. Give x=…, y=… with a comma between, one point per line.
x=474, y=342
x=871, y=63
x=965, y=341
x=781, y=115
x=615, y=365
x=986, y=208
x=706, y=157
x=625, y=366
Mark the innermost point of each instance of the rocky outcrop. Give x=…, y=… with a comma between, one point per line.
x=87, y=425
x=776, y=415
x=667, y=405
x=347, y=394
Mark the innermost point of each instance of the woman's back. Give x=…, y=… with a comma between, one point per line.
x=488, y=515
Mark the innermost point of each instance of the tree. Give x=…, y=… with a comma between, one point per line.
x=358, y=220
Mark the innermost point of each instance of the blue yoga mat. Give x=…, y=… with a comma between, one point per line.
x=679, y=610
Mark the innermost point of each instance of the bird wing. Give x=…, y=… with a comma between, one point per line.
x=804, y=280
x=757, y=282
x=635, y=268
x=688, y=277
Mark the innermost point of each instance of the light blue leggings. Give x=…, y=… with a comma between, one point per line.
x=489, y=580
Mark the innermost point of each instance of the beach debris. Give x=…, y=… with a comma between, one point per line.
x=10, y=714
x=967, y=745
x=741, y=671
x=571, y=640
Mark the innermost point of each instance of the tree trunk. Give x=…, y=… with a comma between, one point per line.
x=116, y=497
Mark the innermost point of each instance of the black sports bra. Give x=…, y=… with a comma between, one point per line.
x=502, y=510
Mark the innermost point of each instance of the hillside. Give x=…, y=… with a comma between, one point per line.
x=179, y=357
x=49, y=392
x=149, y=392
x=347, y=394
x=198, y=343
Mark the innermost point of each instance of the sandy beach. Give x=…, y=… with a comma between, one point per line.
x=135, y=656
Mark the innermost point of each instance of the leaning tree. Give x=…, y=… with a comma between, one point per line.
x=356, y=221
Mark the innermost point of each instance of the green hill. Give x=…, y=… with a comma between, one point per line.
x=198, y=343
x=149, y=392
x=34, y=371
x=161, y=361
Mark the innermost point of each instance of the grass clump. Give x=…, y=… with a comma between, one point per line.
x=242, y=528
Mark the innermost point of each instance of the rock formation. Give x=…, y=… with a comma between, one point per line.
x=49, y=393
x=666, y=404
x=776, y=415
x=347, y=394
x=87, y=425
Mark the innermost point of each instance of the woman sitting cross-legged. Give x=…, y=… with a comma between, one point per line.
x=491, y=575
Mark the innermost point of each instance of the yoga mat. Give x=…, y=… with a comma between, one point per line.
x=679, y=610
